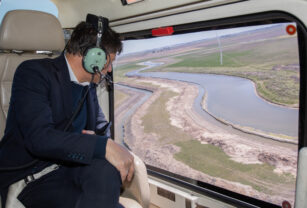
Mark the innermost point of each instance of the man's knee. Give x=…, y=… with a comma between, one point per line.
x=102, y=176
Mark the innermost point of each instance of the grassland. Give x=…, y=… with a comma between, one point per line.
x=210, y=60
x=157, y=121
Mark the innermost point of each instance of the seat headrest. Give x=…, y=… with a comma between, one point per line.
x=28, y=30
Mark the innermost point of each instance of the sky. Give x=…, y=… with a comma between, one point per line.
x=132, y=46
x=40, y=5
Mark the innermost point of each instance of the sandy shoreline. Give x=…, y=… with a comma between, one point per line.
x=182, y=116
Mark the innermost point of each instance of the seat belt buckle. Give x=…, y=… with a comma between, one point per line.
x=29, y=179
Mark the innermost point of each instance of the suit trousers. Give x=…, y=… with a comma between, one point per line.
x=88, y=186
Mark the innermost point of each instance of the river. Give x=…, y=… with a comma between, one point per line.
x=234, y=100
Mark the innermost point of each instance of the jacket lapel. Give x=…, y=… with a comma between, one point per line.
x=64, y=81
x=91, y=108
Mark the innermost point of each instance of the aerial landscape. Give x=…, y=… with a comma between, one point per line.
x=222, y=110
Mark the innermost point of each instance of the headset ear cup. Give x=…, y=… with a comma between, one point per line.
x=94, y=57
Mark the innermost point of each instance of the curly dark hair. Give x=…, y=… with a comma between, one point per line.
x=85, y=36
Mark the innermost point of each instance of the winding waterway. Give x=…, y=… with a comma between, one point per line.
x=233, y=100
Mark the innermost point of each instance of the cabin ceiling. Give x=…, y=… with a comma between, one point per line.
x=149, y=14
x=71, y=12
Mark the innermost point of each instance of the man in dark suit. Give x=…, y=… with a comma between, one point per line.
x=45, y=93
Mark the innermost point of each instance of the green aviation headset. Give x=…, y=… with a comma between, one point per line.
x=95, y=57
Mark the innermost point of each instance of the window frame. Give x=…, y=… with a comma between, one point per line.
x=271, y=17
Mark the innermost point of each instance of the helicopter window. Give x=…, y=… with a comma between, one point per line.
x=220, y=107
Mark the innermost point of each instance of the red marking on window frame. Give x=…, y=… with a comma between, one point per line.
x=286, y=204
x=162, y=31
x=291, y=29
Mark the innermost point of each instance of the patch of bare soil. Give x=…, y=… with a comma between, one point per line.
x=183, y=116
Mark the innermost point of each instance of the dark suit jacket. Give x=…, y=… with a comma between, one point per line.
x=40, y=107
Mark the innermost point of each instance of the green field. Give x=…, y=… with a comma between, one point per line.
x=157, y=121
x=210, y=60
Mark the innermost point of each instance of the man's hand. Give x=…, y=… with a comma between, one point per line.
x=88, y=132
x=121, y=159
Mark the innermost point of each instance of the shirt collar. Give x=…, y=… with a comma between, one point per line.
x=72, y=75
